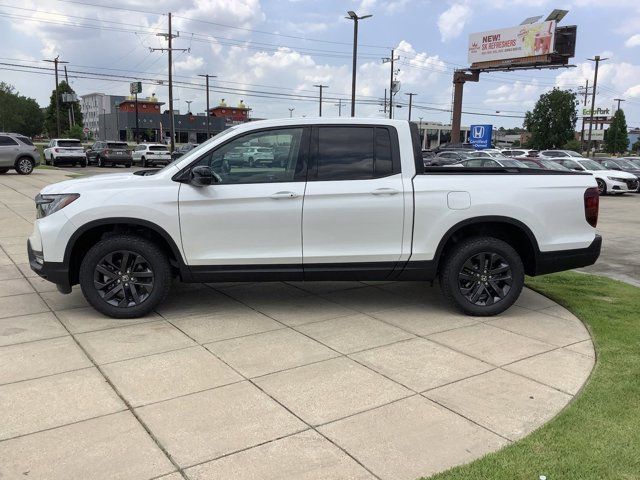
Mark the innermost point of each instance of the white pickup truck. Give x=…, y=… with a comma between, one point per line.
x=353, y=201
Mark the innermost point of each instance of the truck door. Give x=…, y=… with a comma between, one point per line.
x=251, y=218
x=353, y=209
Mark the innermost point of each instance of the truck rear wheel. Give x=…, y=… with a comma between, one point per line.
x=125, y=276
x=482, y=276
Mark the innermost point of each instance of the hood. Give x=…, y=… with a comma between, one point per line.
x=79, y=185
x=615, y=173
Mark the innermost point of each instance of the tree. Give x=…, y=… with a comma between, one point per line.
x=50, y=117
x=74, y=131
x=18, y=113
x=553, y=120
x=616, y=139
x=572, y=144
x=636, y=147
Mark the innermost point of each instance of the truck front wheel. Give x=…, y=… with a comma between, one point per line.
x=482, y=276
x=125, y=276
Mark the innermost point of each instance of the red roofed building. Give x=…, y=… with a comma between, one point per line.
x=232, y=115
x=147, y=105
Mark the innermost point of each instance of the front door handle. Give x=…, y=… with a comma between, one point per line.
x=279, y=195
x=385, y=191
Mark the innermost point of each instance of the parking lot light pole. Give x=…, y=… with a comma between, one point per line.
x=355, y=18
x=411, y=95
x=291, y=112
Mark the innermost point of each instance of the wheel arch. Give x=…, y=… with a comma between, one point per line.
x=88, y=234
x=508, y=229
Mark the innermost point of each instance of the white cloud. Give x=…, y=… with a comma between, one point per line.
x=520, y=94
x=452, y=21
x=388, y=6
x=633, y=41
x=190, y=64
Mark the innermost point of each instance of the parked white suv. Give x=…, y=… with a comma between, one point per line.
x=65, y=151
x=151, y=154
x=351, y=201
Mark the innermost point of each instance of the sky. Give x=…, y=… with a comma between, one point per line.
x=271, y=53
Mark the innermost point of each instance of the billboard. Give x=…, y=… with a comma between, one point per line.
x=480, y=136
x=523, y=41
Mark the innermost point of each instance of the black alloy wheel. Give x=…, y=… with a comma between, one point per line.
x=123, y=278
x=485, y=278
x=602, y=186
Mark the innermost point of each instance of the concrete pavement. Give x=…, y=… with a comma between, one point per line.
x=274, y=380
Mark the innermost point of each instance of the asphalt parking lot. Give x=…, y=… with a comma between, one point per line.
x=275, y=380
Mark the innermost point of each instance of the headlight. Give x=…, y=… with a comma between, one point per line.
x=48, y=204
x=618, y=179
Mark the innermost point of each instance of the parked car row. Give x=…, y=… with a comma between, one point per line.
x=613, y=175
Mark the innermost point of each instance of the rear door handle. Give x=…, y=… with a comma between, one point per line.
x=385, y=191
x=279, y=195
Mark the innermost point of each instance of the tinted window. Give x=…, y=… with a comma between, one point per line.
x=345, y=153
x=158, y=148
x=69, y=143
x=531, y=164
x=116, y=145
x=473, y=163
x=25, y=140
x=383, y=163
x=277, y=162
x=5, y=141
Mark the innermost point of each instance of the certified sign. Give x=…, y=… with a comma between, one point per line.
x=515, y=42
x=480, y=136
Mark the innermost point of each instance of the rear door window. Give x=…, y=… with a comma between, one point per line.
x=7, y=141
x=69, y=143
x=158, y=148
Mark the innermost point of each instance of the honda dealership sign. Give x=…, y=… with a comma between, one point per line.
x=480, y=136
x=509, y=43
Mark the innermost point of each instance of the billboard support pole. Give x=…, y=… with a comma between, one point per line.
x=459, y=79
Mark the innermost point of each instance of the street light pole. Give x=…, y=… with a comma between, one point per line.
x=291, y=112
x=355, y=18
x=188, y=102
x=206, y=76
x=321, y=87
x=596, y=59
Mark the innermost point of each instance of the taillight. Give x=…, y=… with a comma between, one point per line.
x=107, y=152
x=56, y=150
x=591, y=205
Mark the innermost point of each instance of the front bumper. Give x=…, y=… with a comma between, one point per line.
x=55, y=272
x=560, y=260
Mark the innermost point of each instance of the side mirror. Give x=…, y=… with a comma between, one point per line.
x=201, y=176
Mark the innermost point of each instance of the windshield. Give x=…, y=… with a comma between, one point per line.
x=626, y=164
x=553, y=165
x=634, y=161
x=510, y=162
x=69, y=143
x=158, y=148
x=574, y=154
x=591, y=165
x=116, y=145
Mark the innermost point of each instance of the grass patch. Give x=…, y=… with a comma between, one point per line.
x=598, y=435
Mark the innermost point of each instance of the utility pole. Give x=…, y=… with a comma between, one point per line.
x=586, y=97
x=291, y=109
x=597, y=60
x=411, y=95
x=385, y=60
x=339, y=105
x=619, y=100
x=355, y=18
x=321, y=87
x=207, y=76
x=384, y=105
x=57, y=61
x=169, y=37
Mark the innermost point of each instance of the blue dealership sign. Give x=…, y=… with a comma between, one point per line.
x=480, y=136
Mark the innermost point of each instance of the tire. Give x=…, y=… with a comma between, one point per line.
x=99, y=162
x=46, y=161
x=463, y=279
x=143, y=162
x=602, y=186
x=108, y=254
x=84, y=163
x=128, y=165
x=3, y=170
x=25, y=165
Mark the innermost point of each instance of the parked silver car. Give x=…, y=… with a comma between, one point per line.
x=17, y=152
